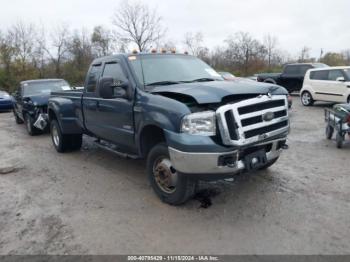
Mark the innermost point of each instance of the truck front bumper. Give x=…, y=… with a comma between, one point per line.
x=219, y=163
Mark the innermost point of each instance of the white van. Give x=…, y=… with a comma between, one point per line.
x=326, y=84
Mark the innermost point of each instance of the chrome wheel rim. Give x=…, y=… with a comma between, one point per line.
x=306, y=98
x=165, y=175
x=55, y=137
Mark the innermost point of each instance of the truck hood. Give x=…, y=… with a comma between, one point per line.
x=39, y=100
x=215, y=91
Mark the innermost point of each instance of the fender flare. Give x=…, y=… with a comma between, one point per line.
x=64, y=111
x=270, y=80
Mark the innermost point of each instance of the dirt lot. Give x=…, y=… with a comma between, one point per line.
x=92, y=202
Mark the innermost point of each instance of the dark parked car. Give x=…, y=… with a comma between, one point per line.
x=179, y=114
x=292, y=76
x=6, y=101
x=31, y=100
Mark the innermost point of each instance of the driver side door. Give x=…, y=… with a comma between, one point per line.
x=115, y=116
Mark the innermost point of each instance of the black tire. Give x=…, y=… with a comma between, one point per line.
x=31, y=129
x=76, y=141
x=306, y=99
x=61, y=142
x=184, y=187
x=270, y=163
x=329, y=131
x=339, y=139
x=348, y=100
x=18, y=120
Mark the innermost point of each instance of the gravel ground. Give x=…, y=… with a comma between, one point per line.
x=93, y=202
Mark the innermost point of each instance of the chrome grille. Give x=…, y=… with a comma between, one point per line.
x=253, y=120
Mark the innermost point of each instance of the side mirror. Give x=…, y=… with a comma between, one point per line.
x=109, y=88
x=340, y=79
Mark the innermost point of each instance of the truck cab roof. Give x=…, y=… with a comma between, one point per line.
x=128, y=55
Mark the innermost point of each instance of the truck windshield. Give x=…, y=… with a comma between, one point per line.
x=153, y=70
x=44, y=87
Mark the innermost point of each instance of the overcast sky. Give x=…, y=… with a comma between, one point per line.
x=314, y=23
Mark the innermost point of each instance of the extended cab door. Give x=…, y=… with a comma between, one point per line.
x=90, y=100
x=113, y=119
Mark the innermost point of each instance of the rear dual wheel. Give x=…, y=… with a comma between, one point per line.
x=64, y=142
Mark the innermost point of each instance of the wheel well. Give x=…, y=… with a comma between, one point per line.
x=52, y=115
x=270, y=81
x=149, y=137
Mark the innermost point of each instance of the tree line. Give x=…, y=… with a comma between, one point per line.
x=31, y=51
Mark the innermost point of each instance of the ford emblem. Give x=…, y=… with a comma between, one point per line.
x=268, y=116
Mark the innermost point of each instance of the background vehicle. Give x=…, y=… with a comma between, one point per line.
x=230, y=77
x=179, y=114
x=253, y=77
x=31, y=100
x=227, y=76
x=6, y=101
x=326, y=84
x=292, y=76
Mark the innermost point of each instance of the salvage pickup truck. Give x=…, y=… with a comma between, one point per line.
x=292, y=76
x=179, y=114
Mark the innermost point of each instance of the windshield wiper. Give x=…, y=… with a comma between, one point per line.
x=162, y=83
x=204, y=79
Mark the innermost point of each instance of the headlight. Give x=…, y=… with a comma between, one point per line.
x=202, y=124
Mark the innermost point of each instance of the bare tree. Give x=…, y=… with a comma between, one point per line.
x=39, y=54
x=270, y=43
x=346, y=55
x=23, y=36
x=194, y=42
x=138, y=24
x=7, y=53
x=244, y=51
x=59, y=46
x=304, y=54
x=103, y=41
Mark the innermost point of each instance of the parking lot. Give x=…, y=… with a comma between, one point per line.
x=93, y=202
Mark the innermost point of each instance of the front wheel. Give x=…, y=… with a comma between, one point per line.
x=31, y=129
x=18, y=120
x=171, y=186
x=306, y=99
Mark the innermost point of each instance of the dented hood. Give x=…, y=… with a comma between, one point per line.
x=215, y=91
x=39, y=100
